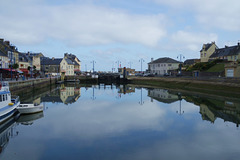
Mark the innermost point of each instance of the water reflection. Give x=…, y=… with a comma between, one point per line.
x=7, y=131
x=28, y=119
x=211, y=108
x=115, y=125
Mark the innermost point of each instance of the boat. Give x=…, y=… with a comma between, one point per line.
x=8, y=104
x=30, y=108
x=28, y=119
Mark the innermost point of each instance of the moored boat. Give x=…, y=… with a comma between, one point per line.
x=30, y=108
x=7, y=104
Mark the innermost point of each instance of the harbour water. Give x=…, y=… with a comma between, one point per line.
x=123, y=123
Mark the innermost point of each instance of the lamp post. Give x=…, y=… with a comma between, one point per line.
x=93, y=65
x=141, y=102
x=11, y=64
x=130, y=63
x=141, y=60
x=119, y=63
x=181, y=57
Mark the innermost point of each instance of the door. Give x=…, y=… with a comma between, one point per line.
x=230, y=72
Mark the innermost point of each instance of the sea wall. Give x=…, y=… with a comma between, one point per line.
x=220, y=86
x=26, y=85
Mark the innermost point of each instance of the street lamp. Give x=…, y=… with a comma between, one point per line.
x=180, y=56
x=93, y=64
x=141, y=60
x=119, y=63
x=130, y=63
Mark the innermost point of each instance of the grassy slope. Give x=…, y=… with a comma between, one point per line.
x=216, y=68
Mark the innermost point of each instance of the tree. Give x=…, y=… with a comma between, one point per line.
x=15, y=66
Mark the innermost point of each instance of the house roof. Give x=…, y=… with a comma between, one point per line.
x=227, y=51
x=69, y=61
x=2, y=54
x=48, y=61
x=207, y=46
x=164, y=60
x=190, y=61
x=22, y=57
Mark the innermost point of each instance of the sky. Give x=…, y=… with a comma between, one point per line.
x=111, y=32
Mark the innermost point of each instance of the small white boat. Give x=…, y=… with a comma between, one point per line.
x=30, y=108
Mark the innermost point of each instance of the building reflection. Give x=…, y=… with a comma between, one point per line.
x=63, y=94
x=210, y=108
x=7, y=131
x=213, y=108
x=126, y=89
x=162, y=95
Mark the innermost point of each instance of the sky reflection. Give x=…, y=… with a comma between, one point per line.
x=119, y=127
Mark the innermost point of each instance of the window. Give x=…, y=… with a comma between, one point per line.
x=169, y=64
x=204, y=54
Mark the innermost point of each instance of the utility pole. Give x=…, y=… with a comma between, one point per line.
x=141, y=60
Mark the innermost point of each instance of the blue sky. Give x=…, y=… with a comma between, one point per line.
x=108, y=31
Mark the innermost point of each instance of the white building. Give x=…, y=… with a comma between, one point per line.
x=162, y=65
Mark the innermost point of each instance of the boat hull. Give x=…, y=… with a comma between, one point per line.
x=30, y=109
x=7, y=112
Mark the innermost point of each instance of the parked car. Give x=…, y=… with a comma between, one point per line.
x=148, y=75
x=139, y=74
x=166, y=74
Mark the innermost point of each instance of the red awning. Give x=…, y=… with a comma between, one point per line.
x=6, y=69
x=24, y=70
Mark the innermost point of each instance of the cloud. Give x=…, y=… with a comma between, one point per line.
x=78, y=24
x=192, y=40
x=210, y=14
x=92, y=121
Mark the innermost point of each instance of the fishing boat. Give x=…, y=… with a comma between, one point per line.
x=30, y=108
x=8, y=104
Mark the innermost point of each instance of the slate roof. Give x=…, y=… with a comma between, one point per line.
x=207, y=46
x=69, y=61
x=22, y=57
x=49, y=61
x=227, y=51
x=2, y=54
x=190, y=61
x=164, y=60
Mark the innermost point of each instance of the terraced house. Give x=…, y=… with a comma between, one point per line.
x=229, y=53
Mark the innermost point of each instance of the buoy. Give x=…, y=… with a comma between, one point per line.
x=10, y=104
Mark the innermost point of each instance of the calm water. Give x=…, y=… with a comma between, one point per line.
x=123, y=123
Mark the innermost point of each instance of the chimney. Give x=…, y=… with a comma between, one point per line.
x=151, y=59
